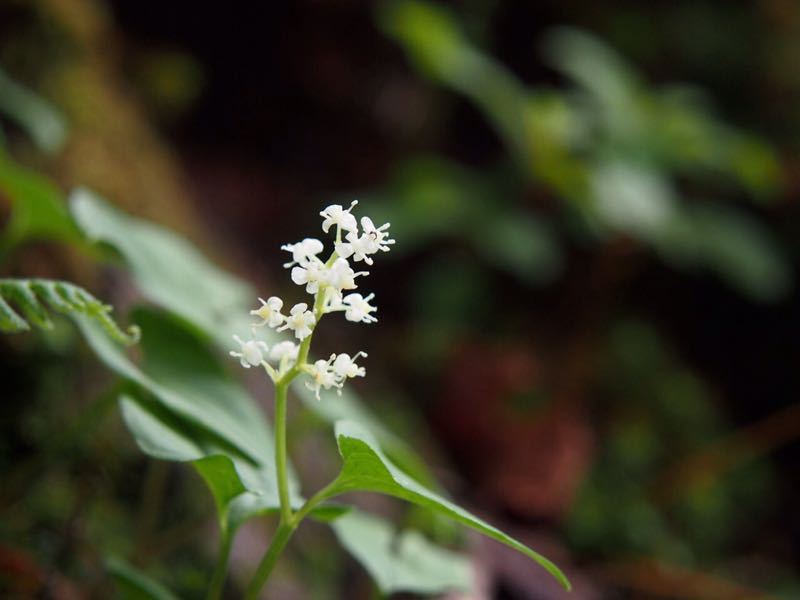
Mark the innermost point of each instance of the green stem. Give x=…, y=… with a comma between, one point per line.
x=279, y=541
x=280, y=451
x=220, y=570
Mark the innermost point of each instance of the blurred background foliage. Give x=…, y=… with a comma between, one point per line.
x=589, y=322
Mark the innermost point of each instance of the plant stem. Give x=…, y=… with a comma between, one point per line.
x=280, y=452
x=218, y=578
x=279, y=541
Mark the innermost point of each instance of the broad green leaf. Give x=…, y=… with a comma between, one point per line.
x=40, y=118
x=168, y=269
x=404, y=563
x=184, y=376
x=240, y=489
x=35, y=297
x=132, y=584
x=38, y=207
x=367, y=468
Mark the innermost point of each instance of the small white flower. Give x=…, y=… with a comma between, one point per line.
x=311, y=275
x=303, y=251
x=375, y=238
x=252, y=352
x=269, y=312
x=358, y=308
x=322, y=377
x=300, y=320
x=341, y=217
x=346, y=367
x=285, y=350
x=371, y=241
x=341, y=276
x=355, y=246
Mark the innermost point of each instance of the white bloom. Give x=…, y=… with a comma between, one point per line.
x=252, y=352
x=312, y=274
x=355, y=246
x=285, y=350
x=322, y=376
x=303, y=251
x=369, y=242
x=269, y=312
x=375, y=239
x=346, y=367
x=336, y=215
x=341, y=276
x=300, y=320
x=358, y=308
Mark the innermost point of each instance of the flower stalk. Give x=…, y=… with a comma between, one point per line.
x=326, y=281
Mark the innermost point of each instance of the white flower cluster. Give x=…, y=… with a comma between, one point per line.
x=327, y=281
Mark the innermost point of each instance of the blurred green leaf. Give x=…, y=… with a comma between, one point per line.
x=38, y=208
x=168, y=269
x=133, y=584
x=436, y=44
x=366, y=468
x=430, y=198
x=38, y=117
x=404, y=563
x=731, y=244
x=183, y=375
x=34, y=297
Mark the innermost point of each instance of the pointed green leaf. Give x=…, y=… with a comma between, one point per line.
x=366, y=468
x=404, y=563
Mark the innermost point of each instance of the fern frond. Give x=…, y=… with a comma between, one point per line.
x=35, y=297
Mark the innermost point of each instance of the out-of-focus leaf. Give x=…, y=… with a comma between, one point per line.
x=732, y=245
x=632, y=198
x=366, y=468
x=34, y=297
x=430, y=198
x=435, y=43
x=168, y=269
x=241, y=490
x=38, y=117
x=404, y=563
x=183, y=375
x=522, y=244
x=133, y=584
x=38, y=208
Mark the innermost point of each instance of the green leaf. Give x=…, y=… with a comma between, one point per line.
x=404, y=563
x=241, y=490
x=735, y=246
x=40, y=118
x=184, y=376
x=132, y=584
x=168, y=269
x=39, y=211
x=366, y=468
x=35, y=297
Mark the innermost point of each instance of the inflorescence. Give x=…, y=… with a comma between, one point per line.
x=327, y=281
